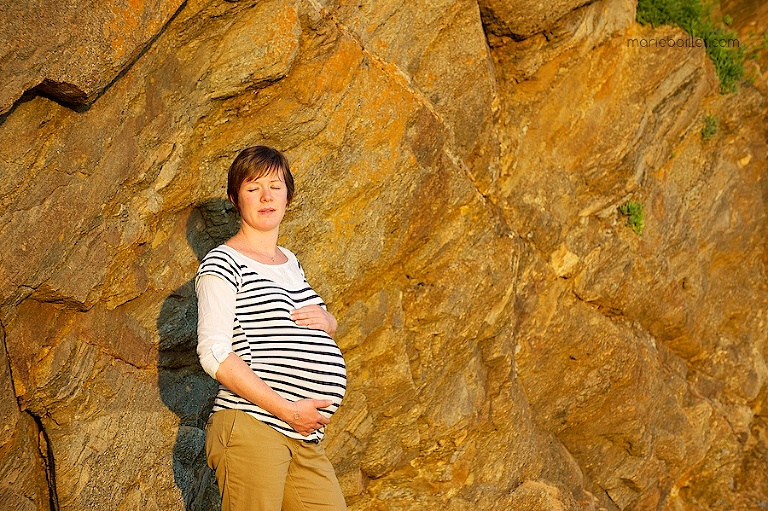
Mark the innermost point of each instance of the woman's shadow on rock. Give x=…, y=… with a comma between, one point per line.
x=184, y=388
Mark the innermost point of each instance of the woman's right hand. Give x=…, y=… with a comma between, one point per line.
x=305, y=417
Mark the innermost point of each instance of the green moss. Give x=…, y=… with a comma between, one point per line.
x=695, y=17
x=635, y=215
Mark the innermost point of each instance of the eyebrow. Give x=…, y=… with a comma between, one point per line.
x=276, y=179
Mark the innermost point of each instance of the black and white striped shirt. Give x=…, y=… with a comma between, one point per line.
x=295, y=361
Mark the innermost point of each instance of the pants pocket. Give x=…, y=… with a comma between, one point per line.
x=218, y=435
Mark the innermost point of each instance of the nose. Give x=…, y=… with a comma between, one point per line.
x=266, y=195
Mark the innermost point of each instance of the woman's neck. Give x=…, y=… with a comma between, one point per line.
x=261, y=246
x=259, y=240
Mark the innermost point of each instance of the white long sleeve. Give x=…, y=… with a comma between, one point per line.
x=215, y=320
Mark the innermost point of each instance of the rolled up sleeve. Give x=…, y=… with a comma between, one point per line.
x=215, y=321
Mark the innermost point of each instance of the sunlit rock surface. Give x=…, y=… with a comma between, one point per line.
x=511, y=342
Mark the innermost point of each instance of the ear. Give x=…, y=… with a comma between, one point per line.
x=234, y=203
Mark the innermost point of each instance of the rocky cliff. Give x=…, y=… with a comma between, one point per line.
x=461, y=169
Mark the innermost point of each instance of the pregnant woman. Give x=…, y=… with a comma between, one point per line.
x=267, y=338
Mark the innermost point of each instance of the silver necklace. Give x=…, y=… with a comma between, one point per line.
x=272, y=257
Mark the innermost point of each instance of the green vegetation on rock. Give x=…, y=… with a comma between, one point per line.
x=709, y=130
x=635, y=216
x=695, y=17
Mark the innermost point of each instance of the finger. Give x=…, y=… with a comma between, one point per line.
x=308, y=317
x=305, y=318
x=312, y=324
x=307, y=308
x=322, y=419
x=316, y=315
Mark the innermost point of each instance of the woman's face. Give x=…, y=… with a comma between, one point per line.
x=262, y=202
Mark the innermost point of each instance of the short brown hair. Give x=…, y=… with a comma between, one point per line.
x=253, y=163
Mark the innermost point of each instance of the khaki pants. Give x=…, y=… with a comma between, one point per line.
x=260, y=469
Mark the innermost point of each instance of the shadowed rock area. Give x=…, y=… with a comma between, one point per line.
x=461, y=167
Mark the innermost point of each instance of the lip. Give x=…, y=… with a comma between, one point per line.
x=267, y=210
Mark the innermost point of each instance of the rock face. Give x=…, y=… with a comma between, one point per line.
x=460, y=165
x=73, y=50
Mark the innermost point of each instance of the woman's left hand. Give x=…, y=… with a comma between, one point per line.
x=314, y=316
